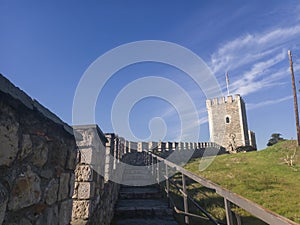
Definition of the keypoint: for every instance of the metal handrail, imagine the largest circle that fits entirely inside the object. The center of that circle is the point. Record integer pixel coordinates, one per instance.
(229, 197)
(208, 216)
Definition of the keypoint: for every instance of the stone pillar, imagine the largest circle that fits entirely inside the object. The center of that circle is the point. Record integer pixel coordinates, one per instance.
(109, 149)
(89, 180)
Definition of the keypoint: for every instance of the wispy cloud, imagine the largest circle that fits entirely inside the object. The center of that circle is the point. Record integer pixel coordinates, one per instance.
(257, 58)
(251, 106)
(260, 76)
(251, 48)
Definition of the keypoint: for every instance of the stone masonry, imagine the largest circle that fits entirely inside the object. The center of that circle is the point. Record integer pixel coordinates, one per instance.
(228, 123)
(37, 161)
(94, 194)
(45, 178)
(51, 173)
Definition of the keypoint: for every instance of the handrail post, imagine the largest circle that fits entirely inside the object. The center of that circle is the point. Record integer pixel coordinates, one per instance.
(157, 171)
(185, 200)
(152, 164)
(238, 219)
(167, 181)
(229, 216)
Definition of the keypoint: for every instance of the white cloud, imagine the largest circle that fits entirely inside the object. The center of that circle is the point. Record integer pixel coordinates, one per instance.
(251, 106)
(259, 76)
(250, 48)
(262, 53)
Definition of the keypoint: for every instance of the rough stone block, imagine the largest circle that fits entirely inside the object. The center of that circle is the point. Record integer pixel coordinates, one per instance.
(63, 192)
(3, 202)
(26, 191)
(8, 140)
(40, 151)
(81, 209)
(65, 212)
(84, 173)
(46, 173)
(49, 217)
(86, 156)
(26, 146)
(72, 159)
(25, 221)
(51, 192)
(86, 190)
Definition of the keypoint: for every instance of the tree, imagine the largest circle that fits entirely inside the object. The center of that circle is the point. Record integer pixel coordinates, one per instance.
(275, 138)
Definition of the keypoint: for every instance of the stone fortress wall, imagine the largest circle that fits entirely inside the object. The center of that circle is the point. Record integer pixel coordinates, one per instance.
(45, 176)
(50, 172)
(37, 161)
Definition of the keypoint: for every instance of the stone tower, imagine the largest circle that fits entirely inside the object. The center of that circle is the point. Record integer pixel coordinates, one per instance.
(228, 123)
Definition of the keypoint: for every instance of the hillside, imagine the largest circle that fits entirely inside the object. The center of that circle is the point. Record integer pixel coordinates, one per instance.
(263, 177)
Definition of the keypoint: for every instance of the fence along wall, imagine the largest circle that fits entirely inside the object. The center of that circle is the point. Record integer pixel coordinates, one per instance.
(37, 161)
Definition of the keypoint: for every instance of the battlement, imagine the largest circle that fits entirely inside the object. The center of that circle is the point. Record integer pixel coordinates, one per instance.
(223, 100)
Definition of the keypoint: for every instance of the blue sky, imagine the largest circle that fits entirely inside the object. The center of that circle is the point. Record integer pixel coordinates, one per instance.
(45, 47)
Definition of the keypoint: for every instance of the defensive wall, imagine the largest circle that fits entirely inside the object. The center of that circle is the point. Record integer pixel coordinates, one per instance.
(50, 172)
(45, 176)
(37, 161)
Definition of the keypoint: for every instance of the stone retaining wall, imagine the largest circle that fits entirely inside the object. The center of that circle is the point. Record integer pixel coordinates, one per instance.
(37, 161)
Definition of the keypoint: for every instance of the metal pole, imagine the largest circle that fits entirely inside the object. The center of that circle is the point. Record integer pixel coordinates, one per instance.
(152, 164)
(157, 170)
(167, 181)
(227, 83)
(295, 97)
(229, 216)
(185, 200)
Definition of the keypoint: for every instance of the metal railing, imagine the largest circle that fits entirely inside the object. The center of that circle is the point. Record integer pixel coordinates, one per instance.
(154, 161)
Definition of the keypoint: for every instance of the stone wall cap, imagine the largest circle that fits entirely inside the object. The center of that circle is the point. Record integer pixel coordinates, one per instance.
(9, 88)
(92, 126)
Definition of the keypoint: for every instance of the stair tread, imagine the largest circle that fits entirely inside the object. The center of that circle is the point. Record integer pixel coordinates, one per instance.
(148, 221)
(136, 204)
(130, 189)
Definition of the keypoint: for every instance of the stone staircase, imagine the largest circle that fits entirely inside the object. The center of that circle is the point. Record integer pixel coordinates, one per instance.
(142, 204)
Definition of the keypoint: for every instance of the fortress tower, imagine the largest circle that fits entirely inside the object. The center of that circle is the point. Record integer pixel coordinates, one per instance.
(228, 125)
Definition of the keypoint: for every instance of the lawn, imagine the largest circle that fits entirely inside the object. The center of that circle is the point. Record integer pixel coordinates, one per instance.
(263, 177)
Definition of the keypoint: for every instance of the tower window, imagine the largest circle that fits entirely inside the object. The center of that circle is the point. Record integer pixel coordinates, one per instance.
(227, 119)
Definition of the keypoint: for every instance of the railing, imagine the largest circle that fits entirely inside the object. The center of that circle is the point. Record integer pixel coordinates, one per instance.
(256, 210)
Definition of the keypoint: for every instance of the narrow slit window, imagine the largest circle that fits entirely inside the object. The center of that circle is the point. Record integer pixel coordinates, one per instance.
(227, 120)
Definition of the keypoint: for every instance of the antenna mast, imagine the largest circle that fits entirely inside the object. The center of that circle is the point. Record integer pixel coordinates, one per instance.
(227, 83)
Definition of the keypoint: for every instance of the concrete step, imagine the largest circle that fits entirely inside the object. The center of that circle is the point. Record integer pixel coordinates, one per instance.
(143, 205)
(138, 178)
(148, 221)
(139, 182)
(146, 192)
(135, 208)
(136, 173)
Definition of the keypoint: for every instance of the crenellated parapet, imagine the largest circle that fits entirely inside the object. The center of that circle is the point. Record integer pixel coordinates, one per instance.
(223, 100)
(161, 146)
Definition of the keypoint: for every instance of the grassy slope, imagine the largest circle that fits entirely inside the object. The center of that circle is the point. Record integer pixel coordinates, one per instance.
(261, 176)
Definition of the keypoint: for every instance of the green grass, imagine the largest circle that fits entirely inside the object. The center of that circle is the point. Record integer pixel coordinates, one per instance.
(262, 177)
